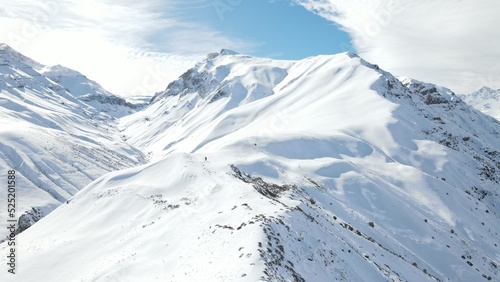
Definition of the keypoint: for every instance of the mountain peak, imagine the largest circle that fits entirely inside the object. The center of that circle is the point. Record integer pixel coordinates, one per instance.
(7, 48)
(486, 99)
(228, 52)
(488, 89)
(58, 70)
(486, 93)
(11, 56)
(223, 52)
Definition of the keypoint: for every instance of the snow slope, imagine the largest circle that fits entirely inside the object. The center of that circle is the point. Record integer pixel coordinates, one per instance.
(322, 169)
(486, 100)
(56, 143)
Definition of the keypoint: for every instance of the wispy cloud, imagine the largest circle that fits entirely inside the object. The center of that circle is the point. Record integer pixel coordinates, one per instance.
(450, 42)
(121, 44)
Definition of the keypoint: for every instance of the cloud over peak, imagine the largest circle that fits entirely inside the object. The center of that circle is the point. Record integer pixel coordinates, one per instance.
(449, 42)
(118, 43)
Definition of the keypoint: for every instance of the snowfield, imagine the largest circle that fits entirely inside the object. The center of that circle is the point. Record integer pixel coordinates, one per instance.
(323, 169)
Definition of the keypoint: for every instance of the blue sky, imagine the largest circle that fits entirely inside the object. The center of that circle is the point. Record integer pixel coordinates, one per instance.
(125, 45)
(277, 29)
(121, 44)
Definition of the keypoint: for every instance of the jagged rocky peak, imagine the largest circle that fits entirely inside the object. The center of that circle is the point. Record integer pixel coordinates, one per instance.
(223, 52)
(431, 93)
(211, 78)
(228, 52)
(486, 100)
(111, 100)
(487, 93)
(487, 89)
(190, 81)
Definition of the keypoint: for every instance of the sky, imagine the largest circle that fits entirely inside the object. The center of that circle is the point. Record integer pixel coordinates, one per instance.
(136, 48)
(453, 43)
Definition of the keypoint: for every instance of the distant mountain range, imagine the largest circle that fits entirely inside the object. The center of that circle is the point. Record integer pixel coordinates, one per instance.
(486, 99)
(251, 169)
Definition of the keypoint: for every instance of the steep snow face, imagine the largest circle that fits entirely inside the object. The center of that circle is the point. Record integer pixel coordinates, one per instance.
(486, 100)
(56, 142)
(336, 171)
(201, 95)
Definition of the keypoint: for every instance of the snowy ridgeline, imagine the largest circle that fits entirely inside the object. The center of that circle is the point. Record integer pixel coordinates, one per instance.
(322, 169)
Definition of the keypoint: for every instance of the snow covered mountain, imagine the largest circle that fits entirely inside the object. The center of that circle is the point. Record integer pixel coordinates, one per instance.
(56, 141)
(90, 91)
(486, 100)
(322, 169)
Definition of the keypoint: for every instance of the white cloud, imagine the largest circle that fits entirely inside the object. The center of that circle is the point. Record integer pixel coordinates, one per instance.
(129, 47)
(453, 43)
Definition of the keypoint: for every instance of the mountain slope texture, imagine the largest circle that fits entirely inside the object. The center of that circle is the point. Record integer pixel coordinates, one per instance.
(322, 169)
(55, 141)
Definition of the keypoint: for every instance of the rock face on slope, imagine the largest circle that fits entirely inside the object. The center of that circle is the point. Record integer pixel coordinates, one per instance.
(323, 169)
(214, 81)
